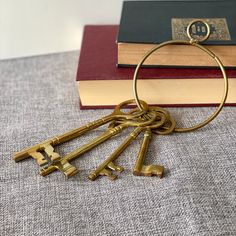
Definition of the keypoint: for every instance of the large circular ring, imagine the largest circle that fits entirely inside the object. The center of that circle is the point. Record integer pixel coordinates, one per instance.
(211, 54)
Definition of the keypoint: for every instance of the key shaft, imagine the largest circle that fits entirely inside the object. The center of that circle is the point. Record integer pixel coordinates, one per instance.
(143, 151)
(144, 170)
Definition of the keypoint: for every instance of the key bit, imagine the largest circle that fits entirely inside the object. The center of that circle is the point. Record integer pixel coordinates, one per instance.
(114, 167)
(109, 174)
(66, 168)
(106, 171)
(150, 170)
(39, 157)
(49, 150)
(37, 153)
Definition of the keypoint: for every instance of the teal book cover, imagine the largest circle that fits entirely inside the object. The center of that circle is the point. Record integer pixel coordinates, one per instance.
(159, 21)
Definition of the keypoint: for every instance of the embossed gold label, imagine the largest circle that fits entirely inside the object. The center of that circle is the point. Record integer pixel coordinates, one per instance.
(219, 29)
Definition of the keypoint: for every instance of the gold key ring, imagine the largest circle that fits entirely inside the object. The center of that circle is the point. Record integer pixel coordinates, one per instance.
(193, 42)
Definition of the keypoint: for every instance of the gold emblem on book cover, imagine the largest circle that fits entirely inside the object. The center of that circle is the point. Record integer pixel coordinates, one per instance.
(218, 27)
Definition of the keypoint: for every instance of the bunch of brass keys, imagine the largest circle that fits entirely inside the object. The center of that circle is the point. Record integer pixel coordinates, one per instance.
(149, 120)
(144, 119)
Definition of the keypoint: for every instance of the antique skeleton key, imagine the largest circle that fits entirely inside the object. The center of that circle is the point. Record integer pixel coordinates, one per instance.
(167, 128)
(63, 164)
(44, 152)
(105, 169)
(145, 170)
(142, 118)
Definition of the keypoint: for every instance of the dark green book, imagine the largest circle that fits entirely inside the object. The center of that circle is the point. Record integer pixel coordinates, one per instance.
(144, 23)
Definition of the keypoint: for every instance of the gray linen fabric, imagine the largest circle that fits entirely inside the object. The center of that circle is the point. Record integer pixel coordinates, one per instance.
(39, 99)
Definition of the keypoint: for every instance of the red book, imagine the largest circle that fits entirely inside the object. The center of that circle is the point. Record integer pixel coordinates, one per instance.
(102, 84)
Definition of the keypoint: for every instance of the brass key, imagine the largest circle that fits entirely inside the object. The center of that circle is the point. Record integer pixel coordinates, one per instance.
(107, 166)
(149, 170)
(167, 128)
(44, 152)
(69, 170)
(105, 169)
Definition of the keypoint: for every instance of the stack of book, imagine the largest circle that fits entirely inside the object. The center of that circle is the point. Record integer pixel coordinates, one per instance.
(177, 75)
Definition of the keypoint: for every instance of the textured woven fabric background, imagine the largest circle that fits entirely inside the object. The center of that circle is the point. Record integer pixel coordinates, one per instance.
(197, 196)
